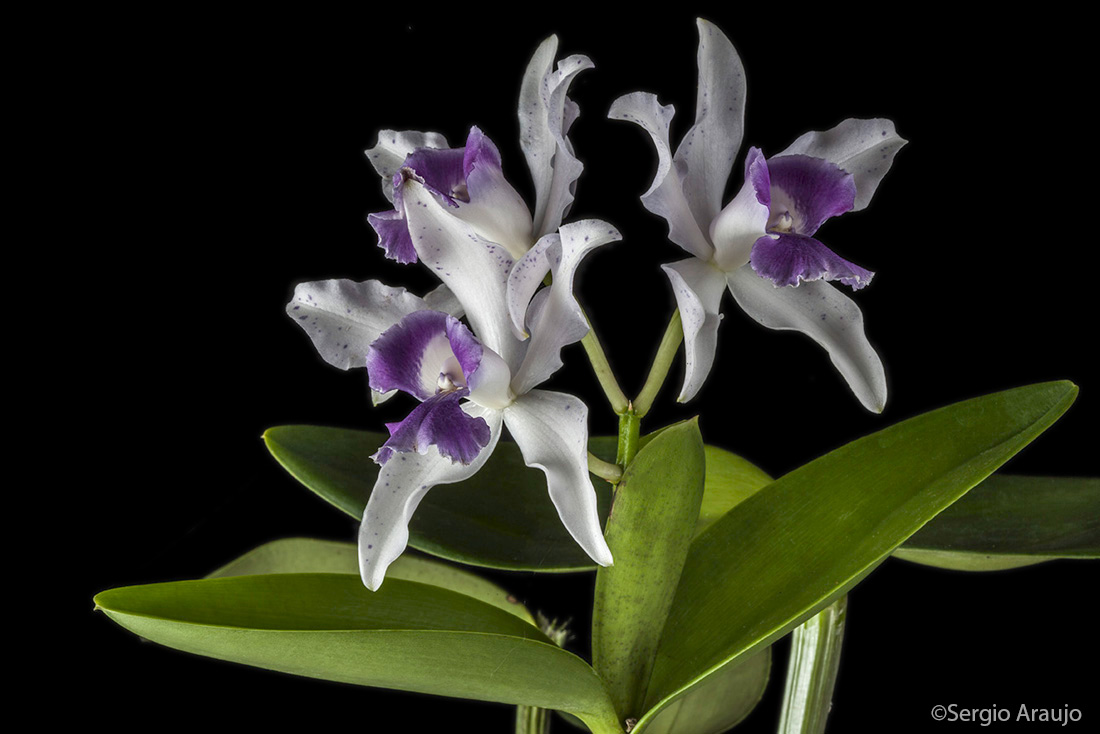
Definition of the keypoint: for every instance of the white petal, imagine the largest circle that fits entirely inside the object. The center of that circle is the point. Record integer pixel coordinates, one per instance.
(545, 115)
(402, 483)
(551, 430)
(710, 146)
(393, 147)
(737, 228)
(343, 317)
(863, 148)
(526, 277)
(698, 287)
(824, 314)
(474, 269)
(665, 196)
(560, 320)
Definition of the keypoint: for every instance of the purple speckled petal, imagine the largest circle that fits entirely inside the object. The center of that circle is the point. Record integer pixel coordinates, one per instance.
(806, 191)
(393, 235)
(475, 270)
(439, 421)
(413, 354)
(792, 258)
(401, 485)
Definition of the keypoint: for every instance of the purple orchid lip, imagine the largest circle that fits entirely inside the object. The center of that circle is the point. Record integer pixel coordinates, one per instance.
(789, 259)
(469, 181)
(438, 421)
(431, 356)
(804, 193)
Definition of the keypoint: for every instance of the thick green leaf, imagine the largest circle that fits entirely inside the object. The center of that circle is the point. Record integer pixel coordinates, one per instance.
(309, 555)
(501, 517)
(730, 480)
(793, 547)
(652, 522)
(1012, 521)
(407, 635)
(720, 702)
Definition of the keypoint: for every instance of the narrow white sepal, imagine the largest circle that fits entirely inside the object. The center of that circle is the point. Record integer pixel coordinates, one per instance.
(710, 147)
(560, 320)
(823, 313)
(551, 430)
(698, 288)
(665, 196)
(545, 116)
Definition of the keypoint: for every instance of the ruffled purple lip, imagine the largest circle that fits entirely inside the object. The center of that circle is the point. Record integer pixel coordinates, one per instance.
(444, 172)
(804, 193)
(439, 421)
(431, 356)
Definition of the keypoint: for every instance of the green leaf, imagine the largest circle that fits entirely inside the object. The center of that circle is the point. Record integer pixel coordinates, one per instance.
(730, 480)
(720, 701)
(793, 547)
(1012, 521)
(501, 517)
(407, 636)
(652, 521)
(309, 555)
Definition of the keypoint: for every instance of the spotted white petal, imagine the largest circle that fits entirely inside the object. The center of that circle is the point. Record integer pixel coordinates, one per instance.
(709, 148)
(824, 314)
(698, 287)
(559, 320)
(551, 430)
(389, 153)
(863, 148)
(402, 483)
(545, 115)
(474, 269)
(665, 196)
(343, 317)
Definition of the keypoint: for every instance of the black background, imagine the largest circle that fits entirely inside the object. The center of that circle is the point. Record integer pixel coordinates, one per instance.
(213, 161)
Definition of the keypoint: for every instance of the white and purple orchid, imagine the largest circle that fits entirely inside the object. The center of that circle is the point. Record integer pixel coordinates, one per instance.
(761, 245)
(455, 213)
(470, 179)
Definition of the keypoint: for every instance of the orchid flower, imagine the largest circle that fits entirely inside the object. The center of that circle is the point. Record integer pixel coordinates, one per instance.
(470, 178)
(469, 386)
(455, 213)
(761, 245)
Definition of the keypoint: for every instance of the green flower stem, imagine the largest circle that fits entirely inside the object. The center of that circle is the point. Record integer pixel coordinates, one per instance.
(604, 470)
(666, 353)
(532, 720)
(630, 425)
(614, 393)
(811, 672)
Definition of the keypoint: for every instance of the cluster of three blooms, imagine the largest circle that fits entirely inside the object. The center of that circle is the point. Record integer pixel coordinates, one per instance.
(455, 213)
